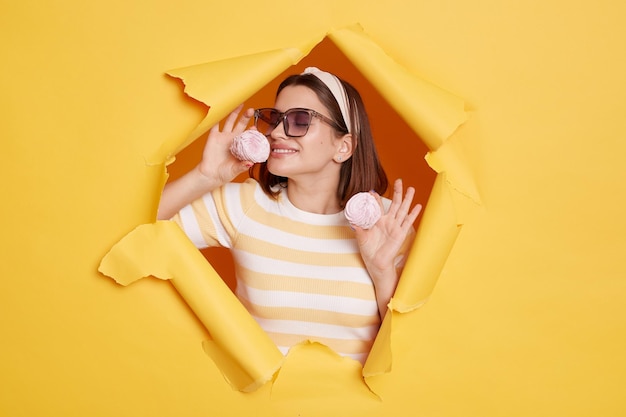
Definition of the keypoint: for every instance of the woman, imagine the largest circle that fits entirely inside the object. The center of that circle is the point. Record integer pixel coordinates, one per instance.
(302, 271)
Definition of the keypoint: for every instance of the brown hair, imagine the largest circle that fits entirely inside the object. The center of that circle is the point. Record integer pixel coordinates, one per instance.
(363, 170)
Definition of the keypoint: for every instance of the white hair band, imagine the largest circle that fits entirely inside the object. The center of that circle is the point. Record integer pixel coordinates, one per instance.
(335, 86)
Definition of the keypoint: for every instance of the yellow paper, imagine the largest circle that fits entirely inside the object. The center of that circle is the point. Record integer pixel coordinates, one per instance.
(436, 113)
(428, 254)
(379, 360)
(526, 316)
(433, 113)
(421, 272)
(241, 349)
(449, 158)
(224, 84)
(313, 367)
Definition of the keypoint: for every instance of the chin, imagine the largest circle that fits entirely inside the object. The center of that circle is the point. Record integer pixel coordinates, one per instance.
(274, 170)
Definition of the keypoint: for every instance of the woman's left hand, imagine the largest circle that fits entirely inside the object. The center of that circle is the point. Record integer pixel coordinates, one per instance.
(380, 244)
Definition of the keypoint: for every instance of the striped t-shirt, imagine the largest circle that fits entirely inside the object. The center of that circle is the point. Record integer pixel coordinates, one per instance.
(299, 274)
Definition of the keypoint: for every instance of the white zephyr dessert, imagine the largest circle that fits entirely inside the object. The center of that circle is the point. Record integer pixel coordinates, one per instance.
(363, 210)
(251, 145)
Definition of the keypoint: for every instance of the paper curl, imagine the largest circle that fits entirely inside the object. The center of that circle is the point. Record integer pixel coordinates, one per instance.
(244, 353)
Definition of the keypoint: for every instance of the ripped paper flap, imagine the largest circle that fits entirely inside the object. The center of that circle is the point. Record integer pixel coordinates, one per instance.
(425, 262)
(240, 348)
(433, 113)
(224, 84)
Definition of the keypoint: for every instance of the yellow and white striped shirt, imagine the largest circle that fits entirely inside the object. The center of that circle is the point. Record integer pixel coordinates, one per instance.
(299, 274)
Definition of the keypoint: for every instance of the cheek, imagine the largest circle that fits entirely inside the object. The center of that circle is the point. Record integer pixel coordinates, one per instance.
(278, 167)
(326, 142)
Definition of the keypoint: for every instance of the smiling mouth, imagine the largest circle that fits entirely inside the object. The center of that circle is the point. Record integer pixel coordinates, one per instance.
(284, 151)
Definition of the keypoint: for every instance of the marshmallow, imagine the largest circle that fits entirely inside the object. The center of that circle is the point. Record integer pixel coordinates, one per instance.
(363, 210)
(251, 145)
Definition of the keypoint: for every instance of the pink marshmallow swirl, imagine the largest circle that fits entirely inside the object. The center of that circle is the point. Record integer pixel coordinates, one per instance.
(363, 210)
(251, 145)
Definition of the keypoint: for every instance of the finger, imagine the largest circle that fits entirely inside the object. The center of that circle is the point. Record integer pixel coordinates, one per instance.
(406, 203)
(229, 122)
(396, 199)
(215, 129)
(412, 216)
(240, 167)
(243, 121)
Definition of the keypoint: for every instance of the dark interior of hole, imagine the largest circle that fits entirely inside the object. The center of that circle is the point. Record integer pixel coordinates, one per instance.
(401, 150)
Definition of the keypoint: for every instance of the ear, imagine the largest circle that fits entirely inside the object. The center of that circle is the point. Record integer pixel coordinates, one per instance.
(345, 148)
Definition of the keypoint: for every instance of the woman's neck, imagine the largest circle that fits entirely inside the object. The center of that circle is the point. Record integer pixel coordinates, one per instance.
(316, 198)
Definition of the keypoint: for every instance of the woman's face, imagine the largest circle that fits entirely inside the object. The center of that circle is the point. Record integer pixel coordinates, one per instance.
(312, 155)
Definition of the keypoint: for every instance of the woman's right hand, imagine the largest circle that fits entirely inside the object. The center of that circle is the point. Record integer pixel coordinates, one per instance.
(218, 166)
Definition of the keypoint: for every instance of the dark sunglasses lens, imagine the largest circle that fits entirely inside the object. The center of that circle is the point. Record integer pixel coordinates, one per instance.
(298, 122)
(266, 120)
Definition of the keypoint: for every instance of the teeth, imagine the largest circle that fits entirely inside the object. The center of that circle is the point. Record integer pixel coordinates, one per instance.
(283, 150)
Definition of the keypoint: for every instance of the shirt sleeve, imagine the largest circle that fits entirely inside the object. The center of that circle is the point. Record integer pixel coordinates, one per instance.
(210, 220)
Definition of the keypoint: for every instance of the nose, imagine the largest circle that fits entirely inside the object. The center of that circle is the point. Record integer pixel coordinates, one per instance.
(279, 131)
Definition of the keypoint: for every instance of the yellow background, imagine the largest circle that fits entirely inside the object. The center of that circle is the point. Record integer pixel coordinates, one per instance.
(527, 317)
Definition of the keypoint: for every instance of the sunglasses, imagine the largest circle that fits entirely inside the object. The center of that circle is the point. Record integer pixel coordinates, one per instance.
(296, 121)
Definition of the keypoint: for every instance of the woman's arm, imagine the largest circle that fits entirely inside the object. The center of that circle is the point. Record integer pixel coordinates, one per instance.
(380, 245)
(218, 166)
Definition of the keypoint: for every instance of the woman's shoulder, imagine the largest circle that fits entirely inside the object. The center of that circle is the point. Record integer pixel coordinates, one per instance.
(248, 193)
(249, 186)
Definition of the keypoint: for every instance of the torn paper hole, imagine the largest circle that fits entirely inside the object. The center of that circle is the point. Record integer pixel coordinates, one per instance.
(432, 113)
